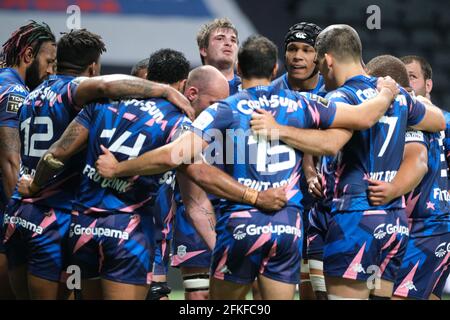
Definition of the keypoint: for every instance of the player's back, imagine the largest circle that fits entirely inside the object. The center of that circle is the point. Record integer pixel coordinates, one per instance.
(254, 161)
(128, 129)
(43, 117)
(428, 205)
(375, 153)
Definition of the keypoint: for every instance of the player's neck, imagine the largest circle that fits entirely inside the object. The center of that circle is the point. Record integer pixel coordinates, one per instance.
(228, 73)
(303, 85)
(347, 71)
(226, 69)
(250, 83)
(22, 71)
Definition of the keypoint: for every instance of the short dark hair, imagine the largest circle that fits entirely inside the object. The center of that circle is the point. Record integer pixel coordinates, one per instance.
(143, 64)
(33, 35)
(387, 65)
(257, 57)
(167, 66)
(424, 65)
(78, 49)
(341, 40)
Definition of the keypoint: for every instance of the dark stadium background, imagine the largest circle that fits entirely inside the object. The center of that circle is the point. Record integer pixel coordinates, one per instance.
(407, 27)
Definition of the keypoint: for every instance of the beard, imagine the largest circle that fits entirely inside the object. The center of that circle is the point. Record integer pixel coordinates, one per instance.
(32, 79)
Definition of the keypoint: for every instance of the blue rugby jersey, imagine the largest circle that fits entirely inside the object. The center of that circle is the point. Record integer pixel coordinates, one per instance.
(128, 129)
(282, 83)
(429, 202)
(447, 138)
(254, 161)
(45, 114)
(235, 84)
(374, 153)
(12, 94)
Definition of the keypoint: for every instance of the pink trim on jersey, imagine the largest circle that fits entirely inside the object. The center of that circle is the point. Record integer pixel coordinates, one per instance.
(271, 254)
(442, 271)
(59, 98)
(113, 109)
(337, 175)
(263, 238)
(373, 212)
(6, 92)
(101, 257)
(176, 259)
(134, 222)
(163, 124)
(411, 203)
(309, 239)
(218, 274)
(389, 256)
(297, 225)
(69, 94)
(48, 220)
(293, 182)
(314, 114)
(49, 191)
(128, 209)
(174, 129)
(391, 240)
(150, 122)
(241, 214)
(350, 273)
(38, 103)
(84, 238)
(10, 229)
(402, 290)
(129, 116)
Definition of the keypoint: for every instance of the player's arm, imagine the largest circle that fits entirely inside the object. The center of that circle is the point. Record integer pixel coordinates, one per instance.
(219, 183)
(119, 86)
(10, 158)
(433, 120)
(312, 177)
(311, 141)
(366, 114)
(412, 170)
(71, 142)
(198, 208)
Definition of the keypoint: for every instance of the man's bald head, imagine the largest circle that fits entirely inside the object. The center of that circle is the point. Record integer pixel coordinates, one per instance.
(204, 86)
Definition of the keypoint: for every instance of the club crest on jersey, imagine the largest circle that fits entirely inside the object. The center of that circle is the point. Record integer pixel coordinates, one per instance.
(442, 249)
(181, 251)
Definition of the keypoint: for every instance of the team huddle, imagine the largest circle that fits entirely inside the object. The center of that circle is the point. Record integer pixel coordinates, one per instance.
(333, 178)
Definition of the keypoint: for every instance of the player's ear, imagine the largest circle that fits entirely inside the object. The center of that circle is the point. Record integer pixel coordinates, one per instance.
(203, 52)
(329, 60)
(191, 93)
(28, 55)
(91, 70)
(428, 86)
(274, 71)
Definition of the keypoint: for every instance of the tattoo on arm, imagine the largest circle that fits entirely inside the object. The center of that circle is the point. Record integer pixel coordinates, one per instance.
(69, 136)
(9, 140)
(205, 211)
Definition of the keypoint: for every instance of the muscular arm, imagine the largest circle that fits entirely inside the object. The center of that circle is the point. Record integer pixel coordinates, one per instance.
(120, 86)
(412, 170)
(10, 158)
(433, 120)
(72, 141)
(198, 208)
(364, 115)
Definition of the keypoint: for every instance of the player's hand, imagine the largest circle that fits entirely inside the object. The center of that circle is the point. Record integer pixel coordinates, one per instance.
(315, 186)
(273, 199)
(381, 192)
(388, 83)
(264, 124)
(106, 164)
(24, 186)
(179, 100)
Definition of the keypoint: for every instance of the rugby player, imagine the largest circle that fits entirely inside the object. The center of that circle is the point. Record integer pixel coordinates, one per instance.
(218, 46)
(251, 244)
(140, 69)
(29, 56)
(37, 230)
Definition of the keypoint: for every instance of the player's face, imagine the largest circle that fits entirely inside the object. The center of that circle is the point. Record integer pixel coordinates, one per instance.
(416, 78)
(43, 65)
(300, 60)
(222, 48)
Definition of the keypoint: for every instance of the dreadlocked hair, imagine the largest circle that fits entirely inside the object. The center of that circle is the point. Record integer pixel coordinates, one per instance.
(32, 35)
(77, 49)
